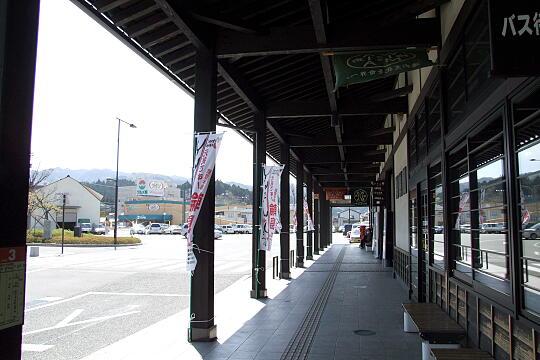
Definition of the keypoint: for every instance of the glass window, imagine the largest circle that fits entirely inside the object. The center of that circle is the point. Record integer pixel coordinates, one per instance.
(528, 159)
(436, 236)
(479, 209)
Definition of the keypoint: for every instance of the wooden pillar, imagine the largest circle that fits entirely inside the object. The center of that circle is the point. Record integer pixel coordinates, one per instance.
(258, 275)
(300, 215)
(18, 39)
(316, 243)
(202, 327)
(284, 237)
(323, 203)
(309, 196)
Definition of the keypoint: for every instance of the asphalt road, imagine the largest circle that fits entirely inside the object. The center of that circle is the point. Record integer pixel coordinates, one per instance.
(88, 298)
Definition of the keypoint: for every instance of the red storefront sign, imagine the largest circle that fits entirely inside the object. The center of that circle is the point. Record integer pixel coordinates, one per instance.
(335, 193)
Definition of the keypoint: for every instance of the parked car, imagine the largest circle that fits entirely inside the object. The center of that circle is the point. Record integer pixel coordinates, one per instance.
(154, 228)
(164, 227)
(346, 229)
(227, 229)
(173, 230)
(242, 229)
(354, 233)
(217, 234)
(184, 229)
(438, 229)
(532, 232)
(465, 228)
(137, 229)
(98, 229)
(86, 227)
(218, 227)
(493, 228)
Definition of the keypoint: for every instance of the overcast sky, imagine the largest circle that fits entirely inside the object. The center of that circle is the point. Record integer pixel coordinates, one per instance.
(85, 78)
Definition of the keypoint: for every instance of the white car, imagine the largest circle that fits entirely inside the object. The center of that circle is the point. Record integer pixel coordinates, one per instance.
(86, 227)
(227, 229)
(173, 229)
(98, 229)
(137, 229)
(217, 234)
(154, 228)
(242, 229)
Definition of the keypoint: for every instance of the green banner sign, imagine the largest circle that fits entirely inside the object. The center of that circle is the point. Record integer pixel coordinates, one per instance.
(358, 67)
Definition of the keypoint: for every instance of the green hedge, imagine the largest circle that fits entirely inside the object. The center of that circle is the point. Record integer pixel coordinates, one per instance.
(36, 236)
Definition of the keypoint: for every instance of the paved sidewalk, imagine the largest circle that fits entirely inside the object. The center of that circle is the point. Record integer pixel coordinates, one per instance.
(343, 305)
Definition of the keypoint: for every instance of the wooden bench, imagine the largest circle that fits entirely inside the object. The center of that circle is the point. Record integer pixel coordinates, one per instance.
(435, 327)
(460, 354)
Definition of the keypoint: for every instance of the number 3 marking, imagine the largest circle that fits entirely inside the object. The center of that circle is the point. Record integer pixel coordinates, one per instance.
(12, 254)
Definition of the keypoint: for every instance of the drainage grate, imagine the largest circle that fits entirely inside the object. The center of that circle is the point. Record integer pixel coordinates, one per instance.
(364, 332)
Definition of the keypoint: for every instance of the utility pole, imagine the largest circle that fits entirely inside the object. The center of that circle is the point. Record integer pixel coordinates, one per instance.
(63, 217)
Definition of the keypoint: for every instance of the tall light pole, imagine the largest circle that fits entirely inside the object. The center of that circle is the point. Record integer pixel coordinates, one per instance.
(116, 183)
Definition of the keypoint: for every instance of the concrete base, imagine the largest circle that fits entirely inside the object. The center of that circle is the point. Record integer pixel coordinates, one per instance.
(202, 335)
(408, 325)
(262, 294)
(299, 264)
(309, 257)
(285, 275)
(34, 251)
(426, 349)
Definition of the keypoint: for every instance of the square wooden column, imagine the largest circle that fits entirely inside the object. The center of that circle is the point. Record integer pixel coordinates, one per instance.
(18, 40)
(309, 199)
(258, 272)
(284, 237)
(316, 237)
(300, 215)
(202, 327)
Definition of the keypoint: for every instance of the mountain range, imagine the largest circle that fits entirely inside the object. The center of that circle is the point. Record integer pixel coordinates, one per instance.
(92, 175)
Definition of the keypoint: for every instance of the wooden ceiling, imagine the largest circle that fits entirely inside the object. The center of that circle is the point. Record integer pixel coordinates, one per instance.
(273, 57)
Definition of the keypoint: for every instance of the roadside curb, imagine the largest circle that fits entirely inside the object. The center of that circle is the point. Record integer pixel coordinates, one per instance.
(81, 245)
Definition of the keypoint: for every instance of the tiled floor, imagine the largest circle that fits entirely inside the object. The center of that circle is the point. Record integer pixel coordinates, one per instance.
(364, 296)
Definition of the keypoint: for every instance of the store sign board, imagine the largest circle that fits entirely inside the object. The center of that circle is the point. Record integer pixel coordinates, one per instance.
(360, 197)
(150, 188)
(12, 267)
(335, 193)
(514, 28)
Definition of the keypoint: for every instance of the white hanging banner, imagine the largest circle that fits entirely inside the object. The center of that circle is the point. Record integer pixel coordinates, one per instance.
(463, 200)
(310, 226)
(203, 167)
(269, 207)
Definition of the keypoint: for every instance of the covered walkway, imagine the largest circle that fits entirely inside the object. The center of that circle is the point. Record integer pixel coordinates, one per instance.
(353, 311)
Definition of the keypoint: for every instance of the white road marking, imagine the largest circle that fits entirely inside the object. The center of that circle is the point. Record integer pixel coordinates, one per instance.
(137, 294)
(101, 293)
(69, 318)
(50, 298)
(101, 318)
(36, 347)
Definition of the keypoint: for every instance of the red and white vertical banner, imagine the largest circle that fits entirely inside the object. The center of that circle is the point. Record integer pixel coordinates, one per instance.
(310, 226)
(203, 167)
(463, 200)
(270, 222)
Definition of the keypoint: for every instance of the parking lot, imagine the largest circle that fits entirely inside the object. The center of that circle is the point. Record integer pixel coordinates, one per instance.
(89, 298)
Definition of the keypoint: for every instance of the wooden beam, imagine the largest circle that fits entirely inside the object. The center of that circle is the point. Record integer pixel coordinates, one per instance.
(392, 94)
(296, 142)
(300, 39)
(225, 23)
(298, 109)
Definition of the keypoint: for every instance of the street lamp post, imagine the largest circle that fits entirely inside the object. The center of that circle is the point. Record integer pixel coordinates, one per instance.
(116, 183)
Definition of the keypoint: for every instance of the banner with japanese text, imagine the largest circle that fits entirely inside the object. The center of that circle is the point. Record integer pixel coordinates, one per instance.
(207, 146)
(270, 222)
(310, 226)
(362, 66)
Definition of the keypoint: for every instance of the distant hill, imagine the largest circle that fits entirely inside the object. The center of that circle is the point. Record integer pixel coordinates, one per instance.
(94, 175)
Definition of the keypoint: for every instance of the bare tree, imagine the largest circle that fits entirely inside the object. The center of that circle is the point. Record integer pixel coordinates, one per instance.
(40, 200)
